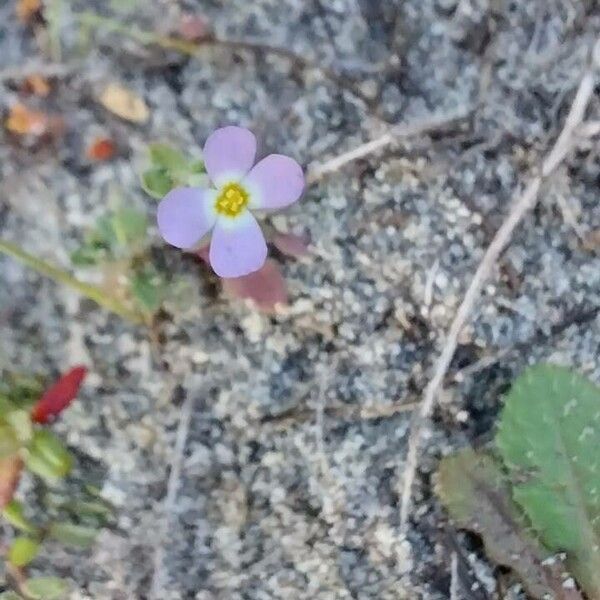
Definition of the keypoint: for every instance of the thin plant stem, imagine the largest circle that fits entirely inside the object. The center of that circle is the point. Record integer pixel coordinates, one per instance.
(182, 46)
(92, 292)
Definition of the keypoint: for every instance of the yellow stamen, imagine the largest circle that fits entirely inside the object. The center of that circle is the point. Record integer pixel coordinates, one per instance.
(232, 200)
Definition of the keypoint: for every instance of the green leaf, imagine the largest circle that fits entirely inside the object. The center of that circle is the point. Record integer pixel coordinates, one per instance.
(169, 159)
(72, 534)
(473, 488)
(46, 588)
(157, 183)
(549, 438)
(9, 443)
(88, 255)
(47, 457)
(10, 595)
(14, 514)
(197, 167)
(148, 287)
(22, 551)
(96, 509)
(129, 226)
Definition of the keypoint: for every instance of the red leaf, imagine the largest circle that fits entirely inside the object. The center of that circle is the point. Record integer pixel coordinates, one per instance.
(194, 27)
(291, 244)
(10, 473)
(59, 396)
(102, 148)
(202, 253)
(266, 287)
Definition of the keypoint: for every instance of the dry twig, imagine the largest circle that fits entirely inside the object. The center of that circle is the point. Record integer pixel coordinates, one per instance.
(521, 205)
(318, 170)
(181, 437)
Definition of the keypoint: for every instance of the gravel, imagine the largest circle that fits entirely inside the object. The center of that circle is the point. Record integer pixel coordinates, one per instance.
(292, 468)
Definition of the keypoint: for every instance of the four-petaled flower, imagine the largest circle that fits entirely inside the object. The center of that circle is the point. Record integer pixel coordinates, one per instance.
(237, 245)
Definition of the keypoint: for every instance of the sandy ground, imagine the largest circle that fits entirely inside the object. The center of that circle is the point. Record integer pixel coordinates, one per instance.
(292, 465)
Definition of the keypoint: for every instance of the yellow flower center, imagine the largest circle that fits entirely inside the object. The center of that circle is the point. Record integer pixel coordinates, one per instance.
(232, 200)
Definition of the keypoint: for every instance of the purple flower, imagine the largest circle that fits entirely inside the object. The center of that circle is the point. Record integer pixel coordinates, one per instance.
(187, 214)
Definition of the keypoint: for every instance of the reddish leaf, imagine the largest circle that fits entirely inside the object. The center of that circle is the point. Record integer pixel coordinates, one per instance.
(266, 287)
(290, 244)
(10, 473)
(59, 396)
(102, 148)
(194, 27)
(202, 253)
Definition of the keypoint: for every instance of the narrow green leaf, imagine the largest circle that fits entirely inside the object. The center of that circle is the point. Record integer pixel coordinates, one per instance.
(73, 534)
(549, 438)
(473, 488)
(14, 514)
(9, 443)
(20, 421)
(47, 457)
(96, 509)
(46, 588)
(22, 551)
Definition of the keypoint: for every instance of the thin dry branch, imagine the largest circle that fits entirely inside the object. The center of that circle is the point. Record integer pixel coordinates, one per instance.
(318, 170)
(185, 417)
(521, 205)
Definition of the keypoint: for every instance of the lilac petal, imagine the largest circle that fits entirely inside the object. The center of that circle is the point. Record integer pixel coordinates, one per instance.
(276, 181)
(185, 216)
(229, 154)
(238, 246)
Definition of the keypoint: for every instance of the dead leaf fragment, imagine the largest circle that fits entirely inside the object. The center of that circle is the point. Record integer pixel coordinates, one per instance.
(10, 473)
(37, 85)
(28, 9)
(124, 103)
(23, 121)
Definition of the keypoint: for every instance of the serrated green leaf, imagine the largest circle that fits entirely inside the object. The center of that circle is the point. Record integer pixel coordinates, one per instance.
(14, 514)
(73, 534)
(171, 160)
(46, 588)
(157, 183)
(473, 488)
(9, 443)
(47, 456)
(549, 439)
(22, 551)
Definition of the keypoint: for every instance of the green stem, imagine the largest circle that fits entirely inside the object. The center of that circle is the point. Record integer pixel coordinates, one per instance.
(92, 292)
